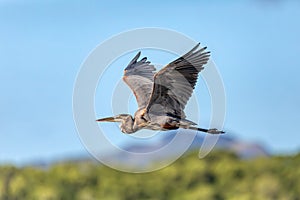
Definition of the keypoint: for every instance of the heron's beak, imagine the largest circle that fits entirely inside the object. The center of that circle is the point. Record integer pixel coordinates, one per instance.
(108, 119)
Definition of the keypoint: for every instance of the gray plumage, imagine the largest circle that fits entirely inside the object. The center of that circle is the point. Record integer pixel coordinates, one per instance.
(162, 96)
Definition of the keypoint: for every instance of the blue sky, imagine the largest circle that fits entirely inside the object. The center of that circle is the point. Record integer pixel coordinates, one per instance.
(255, 45)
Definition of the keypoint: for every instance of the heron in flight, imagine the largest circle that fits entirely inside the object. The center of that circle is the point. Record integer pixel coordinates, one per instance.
(162, 96)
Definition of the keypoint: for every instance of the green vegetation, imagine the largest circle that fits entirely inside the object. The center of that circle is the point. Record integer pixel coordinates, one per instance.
(220, 175)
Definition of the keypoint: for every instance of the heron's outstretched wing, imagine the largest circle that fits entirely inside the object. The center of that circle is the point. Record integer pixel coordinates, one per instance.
(174, 84)
(139, 77)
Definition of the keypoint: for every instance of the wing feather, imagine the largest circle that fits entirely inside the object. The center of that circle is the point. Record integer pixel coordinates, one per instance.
(174, 84)
(138, 75)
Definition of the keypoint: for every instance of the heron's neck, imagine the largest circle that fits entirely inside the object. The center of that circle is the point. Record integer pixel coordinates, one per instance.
(127, 125)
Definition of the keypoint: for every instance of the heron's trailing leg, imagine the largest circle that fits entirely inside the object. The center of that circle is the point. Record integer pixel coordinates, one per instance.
(215, 131)
(211, 131)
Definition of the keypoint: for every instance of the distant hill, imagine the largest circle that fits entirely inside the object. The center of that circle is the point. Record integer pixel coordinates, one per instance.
(242, 149)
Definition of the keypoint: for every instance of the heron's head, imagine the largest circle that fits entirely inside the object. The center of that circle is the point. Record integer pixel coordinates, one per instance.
(126, 120)
(117, 118)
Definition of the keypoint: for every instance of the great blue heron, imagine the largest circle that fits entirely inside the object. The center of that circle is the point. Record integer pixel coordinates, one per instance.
(162, 96)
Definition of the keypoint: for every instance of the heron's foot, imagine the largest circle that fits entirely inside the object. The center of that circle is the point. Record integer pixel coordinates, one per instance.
(215, 131)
